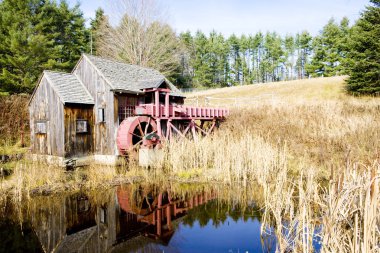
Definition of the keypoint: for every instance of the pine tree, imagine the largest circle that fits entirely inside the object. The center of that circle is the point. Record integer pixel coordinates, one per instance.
(257, 45)
(21, 46)
(218, 52)
(304, 46)
(37, 35)
(245, 59)
(363, 58)
(202, 72)
(72, 36)
(330, 49)
(290, 47)
(235, 58)
(95, 30)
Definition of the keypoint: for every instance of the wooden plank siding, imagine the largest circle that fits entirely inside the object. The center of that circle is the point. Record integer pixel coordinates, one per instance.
(46, 106)
(78, 144)
(97, 85)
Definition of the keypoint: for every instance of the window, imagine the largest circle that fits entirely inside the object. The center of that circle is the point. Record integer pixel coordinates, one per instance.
(41, 127)
(103, 215)
(101, 115)
(83, 204)
(82, 126)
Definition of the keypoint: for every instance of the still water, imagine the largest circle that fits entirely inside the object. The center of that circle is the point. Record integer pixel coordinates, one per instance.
(135, 218)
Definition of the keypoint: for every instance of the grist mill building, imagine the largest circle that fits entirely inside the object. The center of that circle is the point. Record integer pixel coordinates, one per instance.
(75, 117)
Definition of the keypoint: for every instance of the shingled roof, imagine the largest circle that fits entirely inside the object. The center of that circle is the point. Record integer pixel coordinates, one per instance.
(69, 88)
(122, 76)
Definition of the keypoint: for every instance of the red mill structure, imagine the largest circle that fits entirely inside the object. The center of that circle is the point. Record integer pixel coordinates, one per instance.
(105, 109)
(162, 118)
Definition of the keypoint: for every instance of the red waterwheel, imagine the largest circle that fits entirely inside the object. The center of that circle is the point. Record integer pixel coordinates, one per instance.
(132, 131)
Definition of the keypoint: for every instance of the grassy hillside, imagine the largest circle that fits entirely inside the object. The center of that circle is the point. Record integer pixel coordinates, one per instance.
(320, 126)
(328, 88)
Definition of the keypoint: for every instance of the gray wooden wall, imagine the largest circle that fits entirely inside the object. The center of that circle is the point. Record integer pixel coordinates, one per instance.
(46, 105)
(105, 133)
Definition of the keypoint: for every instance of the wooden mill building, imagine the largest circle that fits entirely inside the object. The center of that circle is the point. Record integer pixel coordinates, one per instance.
(76, 116)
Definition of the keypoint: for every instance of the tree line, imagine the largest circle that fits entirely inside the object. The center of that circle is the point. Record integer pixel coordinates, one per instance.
(45, 34)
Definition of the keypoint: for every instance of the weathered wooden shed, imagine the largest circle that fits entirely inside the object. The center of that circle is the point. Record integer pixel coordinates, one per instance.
(77, 115)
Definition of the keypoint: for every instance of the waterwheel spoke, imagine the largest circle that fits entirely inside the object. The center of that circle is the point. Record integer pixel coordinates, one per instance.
(140, 128)
(146, 127)
(138, 136)
(137, 144)
(152, 132)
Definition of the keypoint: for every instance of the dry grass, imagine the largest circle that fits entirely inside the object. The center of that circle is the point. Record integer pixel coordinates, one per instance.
(308, 89)
(38, 178)
(320, 125)
(312, 149)
(14, 123)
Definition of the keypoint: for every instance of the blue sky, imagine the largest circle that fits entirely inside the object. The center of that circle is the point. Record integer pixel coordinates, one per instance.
(248, 17)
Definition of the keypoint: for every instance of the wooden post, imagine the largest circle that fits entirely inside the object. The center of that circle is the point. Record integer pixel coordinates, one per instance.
(159, 221)
(159, 128)
(169, 217)
(159, 214)
(157, 102)
(167, 104)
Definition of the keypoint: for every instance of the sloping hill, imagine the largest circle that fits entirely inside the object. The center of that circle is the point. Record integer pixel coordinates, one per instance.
(320, 124)
(328, 88)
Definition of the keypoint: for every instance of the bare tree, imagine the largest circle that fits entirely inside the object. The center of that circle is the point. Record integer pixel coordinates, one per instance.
(141, 36)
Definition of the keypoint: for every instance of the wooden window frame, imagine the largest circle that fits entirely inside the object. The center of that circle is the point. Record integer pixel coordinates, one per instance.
(103, 214)
(101, 115)
(38, 129)
(81, 131)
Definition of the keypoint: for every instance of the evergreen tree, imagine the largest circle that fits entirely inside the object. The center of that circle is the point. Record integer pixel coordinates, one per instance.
(37, 35)
(317, 64)
(202, 69)
(272, 58)
(95, 30)
(257, 46)
(304, 46)
(235, 59)
(330, 49)
(72, 36)
(290, 47)
(218, 51)
(21, 47)
(363, 59)
(245, 59)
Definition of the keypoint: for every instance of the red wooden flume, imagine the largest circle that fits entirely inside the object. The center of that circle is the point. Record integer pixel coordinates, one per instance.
(163, 119)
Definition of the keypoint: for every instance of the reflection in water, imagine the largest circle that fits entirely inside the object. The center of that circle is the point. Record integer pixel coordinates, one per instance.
(134, 219)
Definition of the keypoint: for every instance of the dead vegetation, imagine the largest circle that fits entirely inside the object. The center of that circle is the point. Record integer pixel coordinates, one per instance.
(14, 123)
(315, 154)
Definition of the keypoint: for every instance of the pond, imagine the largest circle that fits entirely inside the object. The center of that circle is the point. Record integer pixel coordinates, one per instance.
(136, 218)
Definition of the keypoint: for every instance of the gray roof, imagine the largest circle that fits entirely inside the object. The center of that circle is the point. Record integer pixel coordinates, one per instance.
(129, 77)
(69, 88)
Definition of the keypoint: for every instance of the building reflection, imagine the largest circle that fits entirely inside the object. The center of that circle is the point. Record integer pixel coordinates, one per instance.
(127, 219)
